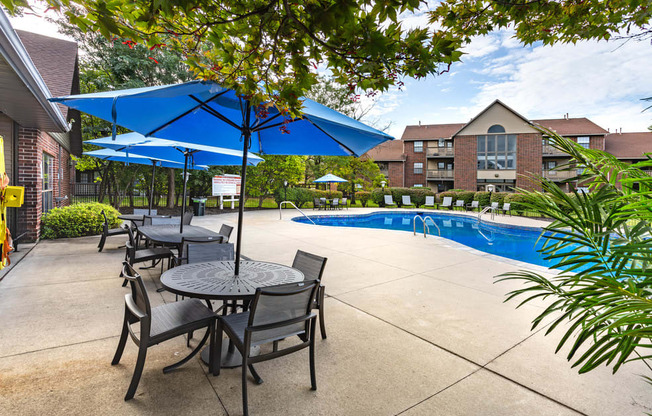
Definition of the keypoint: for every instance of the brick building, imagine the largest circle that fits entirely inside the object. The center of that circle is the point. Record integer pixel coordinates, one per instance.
(39, 136)
(498, 147)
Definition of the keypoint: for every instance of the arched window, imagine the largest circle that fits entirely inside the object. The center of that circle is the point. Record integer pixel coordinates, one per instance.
(496, 128)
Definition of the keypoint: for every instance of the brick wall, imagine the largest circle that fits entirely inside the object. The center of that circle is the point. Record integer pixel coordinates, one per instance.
(465, 168)
(32, 143)
(596, 142)
(528, 158)
(410, 177)
(395, 173)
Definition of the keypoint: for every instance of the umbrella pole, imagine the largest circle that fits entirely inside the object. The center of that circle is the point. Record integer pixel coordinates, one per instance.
(245, 150)
(183, 203)
(151, 189)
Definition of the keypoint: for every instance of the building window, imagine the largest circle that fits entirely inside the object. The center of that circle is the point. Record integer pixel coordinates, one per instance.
(550, 165)
(441, 165)
(418, 168)
(496, 128)
(47, 173)
(497, 151)
(418, 147)
(584, 141)
(417, 185)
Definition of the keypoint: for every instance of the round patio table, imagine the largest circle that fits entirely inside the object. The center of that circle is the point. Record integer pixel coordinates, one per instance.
(215, 280)
(169, 235)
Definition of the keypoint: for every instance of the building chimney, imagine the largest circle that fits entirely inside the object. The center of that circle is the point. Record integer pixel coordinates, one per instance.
(419, 122)
(620, 131)
(608, 130)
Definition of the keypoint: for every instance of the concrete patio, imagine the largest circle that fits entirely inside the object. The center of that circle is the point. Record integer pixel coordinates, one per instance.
(415, 326)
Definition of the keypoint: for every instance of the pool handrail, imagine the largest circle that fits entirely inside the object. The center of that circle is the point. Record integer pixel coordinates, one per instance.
(484, 211)
(280, 211)
(425, 226)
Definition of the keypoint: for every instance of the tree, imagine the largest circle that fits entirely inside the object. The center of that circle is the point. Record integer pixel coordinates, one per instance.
(269, 50)
(602, 241)
(548, 21)
(270, 174)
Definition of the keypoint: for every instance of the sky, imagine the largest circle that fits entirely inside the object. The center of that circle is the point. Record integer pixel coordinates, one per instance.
(603, 81)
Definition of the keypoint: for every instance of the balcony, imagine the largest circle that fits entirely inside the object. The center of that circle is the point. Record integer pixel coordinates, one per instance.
(559, 175)
(440, 174)
(440, 152)
(551, 151)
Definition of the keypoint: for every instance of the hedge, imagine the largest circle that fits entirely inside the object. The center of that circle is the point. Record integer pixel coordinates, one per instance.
(302, 196)
(78, 220)
(417, 195)
(483, 198)
(499, 197)
(517, 202)
(363, 197)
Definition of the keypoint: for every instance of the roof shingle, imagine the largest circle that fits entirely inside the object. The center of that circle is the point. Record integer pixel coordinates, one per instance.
(572, 126)
(390, 151)
(431, 131)
(629, 145)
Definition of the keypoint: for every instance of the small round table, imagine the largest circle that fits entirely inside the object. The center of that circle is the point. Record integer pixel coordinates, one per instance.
(215, 280)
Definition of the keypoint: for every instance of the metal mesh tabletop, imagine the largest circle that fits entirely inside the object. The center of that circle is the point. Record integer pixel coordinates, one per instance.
(169, 233)
(216, 279)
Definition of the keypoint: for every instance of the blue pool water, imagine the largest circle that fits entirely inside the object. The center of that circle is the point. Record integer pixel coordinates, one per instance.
(518, 243)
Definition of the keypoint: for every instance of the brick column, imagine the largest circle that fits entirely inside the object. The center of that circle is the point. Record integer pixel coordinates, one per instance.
(528, 159)
(412, 157)
(465, 167)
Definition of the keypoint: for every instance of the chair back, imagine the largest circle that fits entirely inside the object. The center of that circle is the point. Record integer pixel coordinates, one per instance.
(283, 310)
(164, 220)
(106, 222)
(187, 217)
(226, 231)
(141, 211)
(475, 204)
(335, 201)
(311, 265)
(316, 202)
(406, 200)
(430, 201)
(448, 201)
(343, 202)
(459, 203)
(494, 205)
(389, 200)
(199, 251)
(507, 206)
(131, 245)
(138, 301)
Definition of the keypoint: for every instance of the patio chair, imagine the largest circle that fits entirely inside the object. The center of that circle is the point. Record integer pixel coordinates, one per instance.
(108, 232)
(430, 201)
(226, 231)
(317, 203)
(344, 203)
(140, 211)
(312, 267)
(135, 255)
(447, 203)
(159, 324)
(199, 250)
(147, 219)
(507, 208)
(406, 200)
(335, 203)
(165, 220)
(277, 312)
(389, 200)
(473, 205)
(459, 204)
(494, 206)
(187, 217)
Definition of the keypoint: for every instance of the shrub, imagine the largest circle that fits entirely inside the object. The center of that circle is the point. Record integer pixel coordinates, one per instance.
(397, 195)
(483, 198)
(498, 197)
(78, 220)
(377, 195)
(517, 202)
(466, 196)
(452, 194)
(363, 197)
(298, 196)
(418, 195)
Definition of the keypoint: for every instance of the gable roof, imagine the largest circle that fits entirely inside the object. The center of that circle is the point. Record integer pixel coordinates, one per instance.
(496, 102)
(629, 145)
(572, 126)
(390, 151)
(431, 131)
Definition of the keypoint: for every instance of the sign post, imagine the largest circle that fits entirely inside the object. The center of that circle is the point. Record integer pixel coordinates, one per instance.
(226, 186)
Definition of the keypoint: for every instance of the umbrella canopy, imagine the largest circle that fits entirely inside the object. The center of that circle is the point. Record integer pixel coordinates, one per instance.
(204, 112)
(330, 178)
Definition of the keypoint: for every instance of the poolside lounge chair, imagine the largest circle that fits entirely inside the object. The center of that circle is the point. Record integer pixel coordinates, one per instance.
(159, 324)
(473, 205)
(312, 267)
(107, 232)
(277, 312)
(507, 208)
(447, 203)
(389, 200)
(459, 204)
(406, 201)
(430, 201)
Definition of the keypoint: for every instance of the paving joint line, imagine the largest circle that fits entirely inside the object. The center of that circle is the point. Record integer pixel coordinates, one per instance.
(59, 346)
(481, 367)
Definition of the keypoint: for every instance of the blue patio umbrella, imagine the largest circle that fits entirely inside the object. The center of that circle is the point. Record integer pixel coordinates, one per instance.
(115, 156)
(330, 178)
(204, 112)
(137, 144)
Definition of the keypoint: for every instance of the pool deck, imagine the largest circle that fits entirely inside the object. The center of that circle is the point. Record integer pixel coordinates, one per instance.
(415, 327)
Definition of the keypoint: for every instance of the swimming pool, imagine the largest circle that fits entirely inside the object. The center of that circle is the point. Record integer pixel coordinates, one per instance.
(513, 242)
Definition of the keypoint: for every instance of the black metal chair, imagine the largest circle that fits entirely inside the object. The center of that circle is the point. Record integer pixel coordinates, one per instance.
(317, 203)
(277, 312)
(187, 217)
(312, 267)
(226, 231)
(136, 255)
(159, 324)
(200, 250)
(108, 232)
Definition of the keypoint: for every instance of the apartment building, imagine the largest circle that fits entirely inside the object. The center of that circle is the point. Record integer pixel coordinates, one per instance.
(498, 147)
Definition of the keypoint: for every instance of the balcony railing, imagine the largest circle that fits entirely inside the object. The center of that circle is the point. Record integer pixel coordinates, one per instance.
(441, 152)
(559, 175)
(440, 174)
(551, 151)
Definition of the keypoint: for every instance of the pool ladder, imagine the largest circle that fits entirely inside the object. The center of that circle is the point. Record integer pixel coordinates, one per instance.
(484, 211)
(424, 220)
(280, 211)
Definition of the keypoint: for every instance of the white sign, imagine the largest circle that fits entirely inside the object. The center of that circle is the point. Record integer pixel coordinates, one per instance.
(226, 185)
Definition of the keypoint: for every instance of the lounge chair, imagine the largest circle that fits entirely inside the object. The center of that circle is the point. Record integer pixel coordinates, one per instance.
(473, 205)
(389, 200)
(447, 202)
(276, 313)
(430, 201)
(406, 201)
(108, 232)
(459, 204)
(507, 208)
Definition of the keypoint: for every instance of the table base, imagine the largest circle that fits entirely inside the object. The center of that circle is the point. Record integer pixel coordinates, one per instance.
(230, 359)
